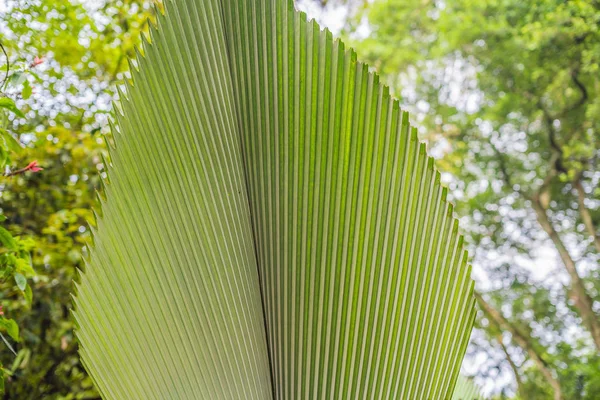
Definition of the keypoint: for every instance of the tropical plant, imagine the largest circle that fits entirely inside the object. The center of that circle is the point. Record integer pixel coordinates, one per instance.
(61, 80)
(510, 90)
(271, 225)
(52, 209)
(15, 251)
(466, 389)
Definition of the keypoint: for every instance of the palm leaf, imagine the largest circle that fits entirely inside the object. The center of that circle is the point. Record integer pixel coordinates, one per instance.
(466, 389)
(272, 225)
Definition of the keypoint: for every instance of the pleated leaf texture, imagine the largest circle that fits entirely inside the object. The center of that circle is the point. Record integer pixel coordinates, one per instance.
(466, 389)
(271, 227)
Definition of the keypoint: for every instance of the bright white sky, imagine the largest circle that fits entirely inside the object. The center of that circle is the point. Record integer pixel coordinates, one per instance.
(331, 17)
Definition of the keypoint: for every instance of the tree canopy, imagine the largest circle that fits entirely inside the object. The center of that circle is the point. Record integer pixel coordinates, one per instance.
(507, 93)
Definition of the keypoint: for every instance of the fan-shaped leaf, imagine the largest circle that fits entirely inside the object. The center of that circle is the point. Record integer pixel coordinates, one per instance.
(272, 226)
(466, 390)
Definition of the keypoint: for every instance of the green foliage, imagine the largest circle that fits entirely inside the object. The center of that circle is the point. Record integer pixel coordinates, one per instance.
(15, 258)
(63, 58)
(511, 94)
(466, 389)
(489, 73)
(60, 199)
(9, 104)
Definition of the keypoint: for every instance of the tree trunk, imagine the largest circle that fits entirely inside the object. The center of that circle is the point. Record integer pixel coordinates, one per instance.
(585, 214)
(583, 302)
(524, 342)
(513, 366)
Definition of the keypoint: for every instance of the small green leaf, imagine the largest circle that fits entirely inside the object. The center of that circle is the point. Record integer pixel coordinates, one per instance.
(2, 376)
(11, 327)
(11, 143)
(18, 360)
(3, 157)
(7, 240)
(28, 295)
(10, 105)
(36, 76)
(21, 281)
(16, 79)
(11, 260)
(21, 360)
(26, 93)
(7, 344)
(24, 267)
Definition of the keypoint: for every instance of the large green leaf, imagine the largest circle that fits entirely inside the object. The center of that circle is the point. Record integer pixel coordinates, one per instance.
(466, 389)
(272, 226)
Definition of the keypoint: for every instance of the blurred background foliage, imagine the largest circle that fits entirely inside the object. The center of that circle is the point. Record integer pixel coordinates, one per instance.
(505, 93)
(82, 50)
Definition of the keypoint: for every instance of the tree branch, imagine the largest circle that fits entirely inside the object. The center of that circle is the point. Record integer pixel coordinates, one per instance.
(539, 201)
(504, 171)
(556, 148)
(584, 93)
(7, 65)
(584, 212)
(513, 366)
(524, 342)
(583, 302)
